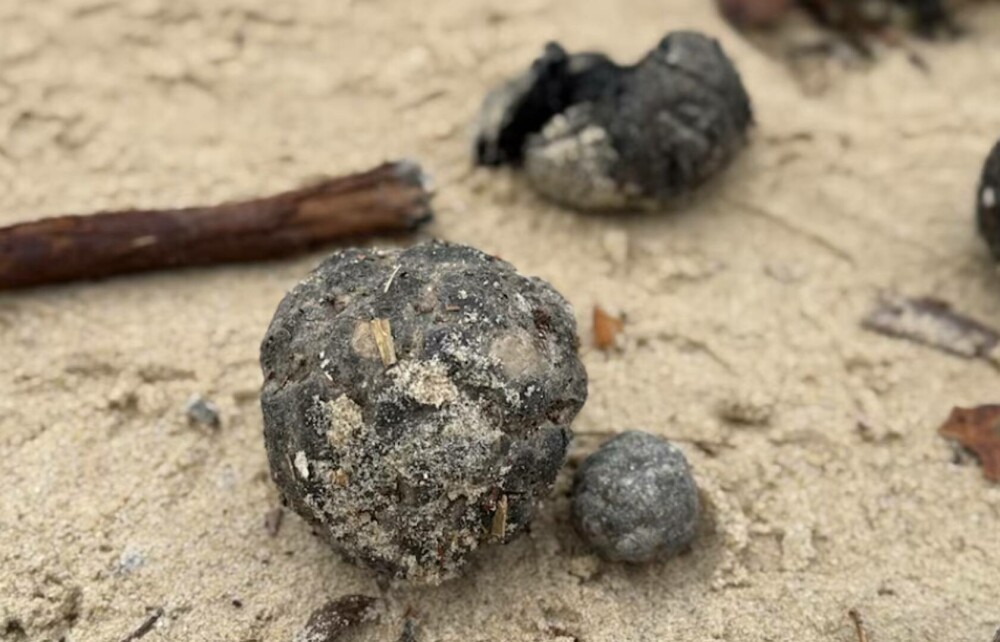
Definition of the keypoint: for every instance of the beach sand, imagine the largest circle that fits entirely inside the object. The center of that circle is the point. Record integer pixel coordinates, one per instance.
(742, 338)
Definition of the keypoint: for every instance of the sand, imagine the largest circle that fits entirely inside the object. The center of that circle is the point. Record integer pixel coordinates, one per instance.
(744, 303)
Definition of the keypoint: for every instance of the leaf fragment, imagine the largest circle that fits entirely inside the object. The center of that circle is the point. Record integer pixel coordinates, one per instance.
(977, 429)
(606, 328)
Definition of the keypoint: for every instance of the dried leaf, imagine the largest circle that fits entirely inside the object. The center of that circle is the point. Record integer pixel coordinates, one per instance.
(330, 621)
(382, 331)
(977, 429)
(606, 328)
(933, 323)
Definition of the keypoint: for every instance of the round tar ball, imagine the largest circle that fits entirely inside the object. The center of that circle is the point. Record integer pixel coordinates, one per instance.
(418, 402)
(674, 120)
(988, 202)
(634, 499)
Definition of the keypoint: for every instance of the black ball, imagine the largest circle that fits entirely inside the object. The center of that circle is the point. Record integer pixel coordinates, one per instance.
(418, 402)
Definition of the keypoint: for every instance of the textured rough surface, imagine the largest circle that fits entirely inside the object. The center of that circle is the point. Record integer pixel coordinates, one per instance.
(988, 202)
(634, 500)
(408, 463)
(756, 287)
(595, 135)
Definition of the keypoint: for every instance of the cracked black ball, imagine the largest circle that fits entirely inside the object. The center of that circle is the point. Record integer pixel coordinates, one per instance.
(598, 136)
(417, 403)
(634, 499)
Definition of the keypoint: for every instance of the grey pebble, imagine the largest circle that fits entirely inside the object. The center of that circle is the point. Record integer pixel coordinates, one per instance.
(418, 402)
(130, 560)
(634, 499)
(598, 136)
(202, 411)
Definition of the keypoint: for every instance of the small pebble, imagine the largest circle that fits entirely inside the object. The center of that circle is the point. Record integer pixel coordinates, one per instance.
(634, 499)
(988, 202)
(201, 411)
(130, 560)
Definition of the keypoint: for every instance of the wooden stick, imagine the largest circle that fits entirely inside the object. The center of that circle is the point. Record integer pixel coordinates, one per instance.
(391, 198)
(859, 625)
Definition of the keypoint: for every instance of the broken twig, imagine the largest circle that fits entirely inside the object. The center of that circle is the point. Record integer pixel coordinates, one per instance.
(391, 198)
(145, 627)
(859, 625)
(933, 323)
(498, 527)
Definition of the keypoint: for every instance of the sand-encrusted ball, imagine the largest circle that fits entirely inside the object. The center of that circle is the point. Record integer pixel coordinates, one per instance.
(598, 136)
(634, 499)
(418, 402)
(988, 202)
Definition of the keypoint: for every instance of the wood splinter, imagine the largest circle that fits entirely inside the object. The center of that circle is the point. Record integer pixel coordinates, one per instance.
(390, 198)
(859, 625)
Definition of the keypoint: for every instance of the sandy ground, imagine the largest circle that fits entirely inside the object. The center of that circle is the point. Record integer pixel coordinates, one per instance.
(743, 303)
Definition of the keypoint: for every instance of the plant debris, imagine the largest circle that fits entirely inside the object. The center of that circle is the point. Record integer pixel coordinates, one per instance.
(498, 526)
(932, 322)
(859, 625)
(382, 331)
(145, 627)
(330, 621)
(855, 20)
(391, 198)
(977, 429)
(606, 328)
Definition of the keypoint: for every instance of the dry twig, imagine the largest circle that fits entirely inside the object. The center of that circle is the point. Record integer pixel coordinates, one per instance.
(391, 198)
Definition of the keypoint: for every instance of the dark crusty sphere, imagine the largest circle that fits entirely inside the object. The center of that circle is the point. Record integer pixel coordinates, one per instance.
(418, 402)
(988, 202)
(634, 499)
(594, 135)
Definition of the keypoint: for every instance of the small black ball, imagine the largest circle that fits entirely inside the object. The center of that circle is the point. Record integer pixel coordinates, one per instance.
(988, 202)
(598, 136)
(634, 500)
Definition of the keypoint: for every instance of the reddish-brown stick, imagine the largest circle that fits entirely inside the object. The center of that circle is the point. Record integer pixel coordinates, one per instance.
(391, 198)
